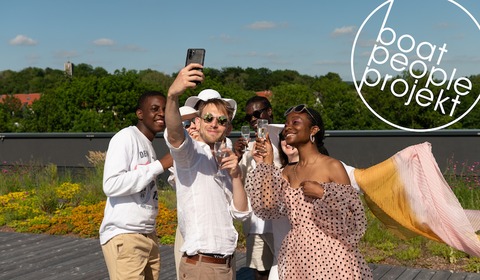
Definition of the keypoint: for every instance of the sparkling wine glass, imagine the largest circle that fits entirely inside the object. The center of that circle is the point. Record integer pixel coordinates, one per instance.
(246, 135)
(262, 128)
(220, 153)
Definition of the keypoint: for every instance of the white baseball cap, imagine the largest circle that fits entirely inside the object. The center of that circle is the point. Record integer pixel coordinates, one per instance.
(207, 94)
(188, 113)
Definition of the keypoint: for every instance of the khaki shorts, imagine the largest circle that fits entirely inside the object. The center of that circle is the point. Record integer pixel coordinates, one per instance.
(132, 256)
(260, 251)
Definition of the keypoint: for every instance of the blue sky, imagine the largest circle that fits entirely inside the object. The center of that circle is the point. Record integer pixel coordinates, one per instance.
(311, 37)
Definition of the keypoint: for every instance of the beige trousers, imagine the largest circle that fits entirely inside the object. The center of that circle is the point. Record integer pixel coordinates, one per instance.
(133, 256)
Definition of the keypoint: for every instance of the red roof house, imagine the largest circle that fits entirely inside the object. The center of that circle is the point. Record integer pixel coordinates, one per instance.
(25, 98)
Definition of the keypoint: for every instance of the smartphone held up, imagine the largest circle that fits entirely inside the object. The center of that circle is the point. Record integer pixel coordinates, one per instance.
(195, 56)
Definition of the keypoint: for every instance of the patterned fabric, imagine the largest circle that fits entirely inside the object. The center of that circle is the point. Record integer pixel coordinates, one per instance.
(323, 241)
(409, 194)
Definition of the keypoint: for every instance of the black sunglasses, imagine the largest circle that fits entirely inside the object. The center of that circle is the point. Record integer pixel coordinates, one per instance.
(255, 114)
(298, 109)
(188, 123)
(222, 120)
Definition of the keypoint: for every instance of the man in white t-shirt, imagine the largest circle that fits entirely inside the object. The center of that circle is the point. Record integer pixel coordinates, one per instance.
(127, 233)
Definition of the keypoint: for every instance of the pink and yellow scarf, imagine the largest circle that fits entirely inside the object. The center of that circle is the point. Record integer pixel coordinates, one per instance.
(409, 194)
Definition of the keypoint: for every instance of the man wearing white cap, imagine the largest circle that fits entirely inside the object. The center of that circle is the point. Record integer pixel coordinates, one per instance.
(206, 203)
(206, 94)
(189, 113)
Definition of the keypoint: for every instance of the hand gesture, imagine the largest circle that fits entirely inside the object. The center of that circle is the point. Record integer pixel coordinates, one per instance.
(263, 150)
(312, 188)
(239, 147)
(186, 78)
(230, 162)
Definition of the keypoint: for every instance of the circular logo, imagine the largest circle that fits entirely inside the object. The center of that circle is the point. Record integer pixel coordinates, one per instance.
(409, 73)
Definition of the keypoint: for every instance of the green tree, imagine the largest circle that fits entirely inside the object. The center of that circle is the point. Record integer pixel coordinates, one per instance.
(340, 104)
(95, 101)
(287, 95)
(108, 100)
(10, 114)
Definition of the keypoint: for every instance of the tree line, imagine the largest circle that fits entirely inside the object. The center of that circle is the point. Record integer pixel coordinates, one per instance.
(93, 100)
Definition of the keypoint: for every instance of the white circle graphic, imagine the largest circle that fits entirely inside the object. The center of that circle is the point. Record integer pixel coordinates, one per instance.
(404, 47)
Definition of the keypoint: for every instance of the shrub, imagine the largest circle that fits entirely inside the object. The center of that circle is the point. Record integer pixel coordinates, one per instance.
(473, 265)
(166, 223)
(17, 206)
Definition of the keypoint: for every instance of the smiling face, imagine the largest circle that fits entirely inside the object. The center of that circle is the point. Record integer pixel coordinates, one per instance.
(210, 125)
(255, 111)
(151, 116)
(298, 128)
(192, 129)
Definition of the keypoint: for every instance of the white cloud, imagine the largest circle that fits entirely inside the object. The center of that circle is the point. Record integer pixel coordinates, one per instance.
(262, 25)
(346, 30)
(22, 40)
(104, 42)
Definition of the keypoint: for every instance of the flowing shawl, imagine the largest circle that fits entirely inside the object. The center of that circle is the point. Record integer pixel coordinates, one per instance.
(409, 194)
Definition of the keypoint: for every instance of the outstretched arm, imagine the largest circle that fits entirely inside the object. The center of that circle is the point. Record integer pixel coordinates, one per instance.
(185, 79)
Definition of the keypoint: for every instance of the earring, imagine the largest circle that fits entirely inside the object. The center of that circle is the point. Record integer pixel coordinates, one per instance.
(312, 138)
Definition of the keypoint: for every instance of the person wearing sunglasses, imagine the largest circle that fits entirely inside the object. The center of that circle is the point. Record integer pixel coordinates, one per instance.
(206, 203)
(258, 232)
(189, 116)
(324, 210)
(206, 94)
(257, 107)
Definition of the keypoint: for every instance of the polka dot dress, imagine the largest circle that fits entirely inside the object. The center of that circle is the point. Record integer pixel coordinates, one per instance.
(323, 241)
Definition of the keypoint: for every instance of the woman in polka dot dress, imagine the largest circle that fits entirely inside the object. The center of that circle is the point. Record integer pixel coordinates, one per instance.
(325, 212)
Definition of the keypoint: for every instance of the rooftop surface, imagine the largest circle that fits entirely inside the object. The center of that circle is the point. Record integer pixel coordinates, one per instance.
(47, 257)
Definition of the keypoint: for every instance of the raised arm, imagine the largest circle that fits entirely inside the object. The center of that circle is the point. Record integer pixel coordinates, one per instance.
(185, 79)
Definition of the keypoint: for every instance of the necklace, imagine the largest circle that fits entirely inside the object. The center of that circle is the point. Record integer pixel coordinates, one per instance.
(295, 168)
(295, 171)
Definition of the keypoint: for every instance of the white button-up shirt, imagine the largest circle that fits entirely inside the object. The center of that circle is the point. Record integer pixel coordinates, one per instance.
(205, 209)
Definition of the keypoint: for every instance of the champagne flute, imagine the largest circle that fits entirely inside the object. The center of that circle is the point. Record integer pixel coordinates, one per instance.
(262, 128)
(220, 153)
(246, 135)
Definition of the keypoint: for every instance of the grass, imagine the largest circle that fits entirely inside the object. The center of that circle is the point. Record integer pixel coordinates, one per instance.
(39, 199)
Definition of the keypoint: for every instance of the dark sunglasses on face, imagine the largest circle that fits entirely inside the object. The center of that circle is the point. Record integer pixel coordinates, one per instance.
(221, 120)
(255, 114)
(298, 109)
(188, 123)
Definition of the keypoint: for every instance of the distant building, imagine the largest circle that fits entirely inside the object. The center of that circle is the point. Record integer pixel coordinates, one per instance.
(25, 98)
(68, 68)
